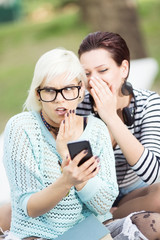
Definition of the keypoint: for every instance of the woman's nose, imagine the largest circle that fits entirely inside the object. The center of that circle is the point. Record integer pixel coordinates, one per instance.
(91, 75)
(59, 97)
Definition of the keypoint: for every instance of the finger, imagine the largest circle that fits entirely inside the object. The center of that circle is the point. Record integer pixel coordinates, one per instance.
(66, 161)
(66, 129)
(61, 128)
(113, 89)
(99, 91)
(92, 174)
(89, 165)
(100, 85)
(95, 92)
(98, 82)
(95, 96)
(71, 118)
(91, 168)
(92, 162)
(79, 157)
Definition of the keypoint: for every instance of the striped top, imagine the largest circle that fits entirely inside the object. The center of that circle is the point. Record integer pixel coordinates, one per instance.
(146, 129)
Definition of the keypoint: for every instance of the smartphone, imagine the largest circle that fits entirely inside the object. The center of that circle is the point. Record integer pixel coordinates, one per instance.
(76, 147)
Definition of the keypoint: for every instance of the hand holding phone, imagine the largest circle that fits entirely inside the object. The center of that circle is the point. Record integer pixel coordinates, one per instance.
(76, 147)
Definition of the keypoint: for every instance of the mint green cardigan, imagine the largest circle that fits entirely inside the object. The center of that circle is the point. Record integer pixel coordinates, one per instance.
(31, 163)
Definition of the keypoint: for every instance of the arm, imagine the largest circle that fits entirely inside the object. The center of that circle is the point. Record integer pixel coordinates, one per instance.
(148, 166)
(106, 104)
(136, 152)
(68, 132)
(106, 183)
(50, 196)
(100, 192)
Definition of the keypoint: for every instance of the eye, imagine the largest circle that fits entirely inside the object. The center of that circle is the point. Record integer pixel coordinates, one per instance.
(87, 74)
(49, 90)
(68, 88)
(103, 70)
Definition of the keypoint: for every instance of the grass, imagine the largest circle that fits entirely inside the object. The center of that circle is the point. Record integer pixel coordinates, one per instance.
(23, 42)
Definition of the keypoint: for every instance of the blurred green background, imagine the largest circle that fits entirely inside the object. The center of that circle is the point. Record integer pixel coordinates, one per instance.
(43, 25)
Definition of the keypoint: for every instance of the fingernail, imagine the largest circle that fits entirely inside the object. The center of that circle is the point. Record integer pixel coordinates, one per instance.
(67, 114)
(66, 156)
(98, 160)
(85, 151)
(73, 111)
(70, 111)
(63, 121)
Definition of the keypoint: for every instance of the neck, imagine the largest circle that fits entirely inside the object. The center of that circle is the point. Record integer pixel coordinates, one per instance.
(123, 102)
(48, 126)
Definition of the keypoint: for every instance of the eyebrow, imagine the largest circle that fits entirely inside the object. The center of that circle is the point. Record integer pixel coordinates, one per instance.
(102, 65)
(69, 85)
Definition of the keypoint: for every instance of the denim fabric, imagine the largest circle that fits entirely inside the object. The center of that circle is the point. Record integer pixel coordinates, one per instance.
(125, 190)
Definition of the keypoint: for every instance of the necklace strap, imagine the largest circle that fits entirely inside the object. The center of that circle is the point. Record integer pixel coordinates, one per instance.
(48, 126)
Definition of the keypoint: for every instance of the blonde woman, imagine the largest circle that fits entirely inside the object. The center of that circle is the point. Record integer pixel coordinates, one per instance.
(50, 193)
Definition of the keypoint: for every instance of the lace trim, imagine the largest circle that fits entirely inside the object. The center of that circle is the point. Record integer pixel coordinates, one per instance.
(129, 229)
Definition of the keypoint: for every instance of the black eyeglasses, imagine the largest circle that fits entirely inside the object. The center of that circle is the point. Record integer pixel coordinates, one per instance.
(49, 94)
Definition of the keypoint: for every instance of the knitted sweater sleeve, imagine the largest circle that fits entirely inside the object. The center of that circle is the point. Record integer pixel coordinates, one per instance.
(100, 192)
(21, 158)
(148, 166)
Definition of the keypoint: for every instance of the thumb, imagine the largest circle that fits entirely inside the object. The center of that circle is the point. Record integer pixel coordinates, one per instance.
(113, 89)
(66, 162)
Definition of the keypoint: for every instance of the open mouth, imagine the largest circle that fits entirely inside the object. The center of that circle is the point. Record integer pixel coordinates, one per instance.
(61, 110)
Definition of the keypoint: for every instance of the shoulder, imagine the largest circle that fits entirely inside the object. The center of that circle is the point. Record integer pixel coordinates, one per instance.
(145, 94)
(146, 97)
(97, 123)
(21, 118)
(21, 121)
(94, 119)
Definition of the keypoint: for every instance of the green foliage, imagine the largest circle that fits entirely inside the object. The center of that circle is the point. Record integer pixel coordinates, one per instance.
(23, 42)
(62, 3)
(149, 19)
(61, 25)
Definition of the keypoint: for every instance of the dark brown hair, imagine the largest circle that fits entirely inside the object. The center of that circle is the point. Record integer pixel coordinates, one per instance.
(112, 42)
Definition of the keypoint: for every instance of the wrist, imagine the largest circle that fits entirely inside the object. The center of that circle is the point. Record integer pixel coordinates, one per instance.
(112, 120)
(66, 186)
(80, 186)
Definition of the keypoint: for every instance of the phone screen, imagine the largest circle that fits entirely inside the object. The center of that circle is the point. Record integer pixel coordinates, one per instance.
(78, 146)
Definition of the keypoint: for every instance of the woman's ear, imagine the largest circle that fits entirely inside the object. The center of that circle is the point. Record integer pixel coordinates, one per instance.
(124, 69)
(37, 95)
(82, 91)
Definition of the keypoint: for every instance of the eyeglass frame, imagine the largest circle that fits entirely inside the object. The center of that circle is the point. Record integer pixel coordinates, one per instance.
(58, 91)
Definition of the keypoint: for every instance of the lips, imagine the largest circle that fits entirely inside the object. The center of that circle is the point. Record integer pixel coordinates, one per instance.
(61, 110)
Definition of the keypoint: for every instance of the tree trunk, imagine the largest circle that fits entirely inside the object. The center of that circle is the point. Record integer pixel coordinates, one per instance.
(118, 16)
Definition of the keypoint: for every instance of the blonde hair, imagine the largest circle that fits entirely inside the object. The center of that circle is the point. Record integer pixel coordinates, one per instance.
(50, 65)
